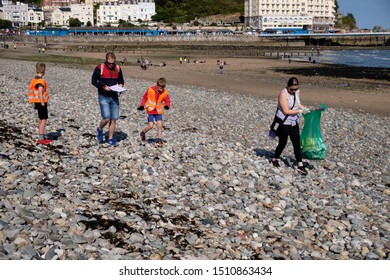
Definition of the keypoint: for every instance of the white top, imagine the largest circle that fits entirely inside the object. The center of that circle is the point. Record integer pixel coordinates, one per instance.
(292, 119)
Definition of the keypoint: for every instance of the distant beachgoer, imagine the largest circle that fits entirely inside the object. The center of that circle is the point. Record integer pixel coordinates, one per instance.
(181, 60)
(221, 68)
(123, 61)
(154, 101)
(289, 106)
(105, 75)
(39, 96)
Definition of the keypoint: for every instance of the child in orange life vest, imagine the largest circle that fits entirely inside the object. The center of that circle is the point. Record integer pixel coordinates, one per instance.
(38, 95)
(154, 101)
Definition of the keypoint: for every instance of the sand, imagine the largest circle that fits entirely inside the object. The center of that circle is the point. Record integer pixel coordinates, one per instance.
(263, 77)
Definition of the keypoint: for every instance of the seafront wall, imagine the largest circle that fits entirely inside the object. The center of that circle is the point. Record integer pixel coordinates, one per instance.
(357, 40)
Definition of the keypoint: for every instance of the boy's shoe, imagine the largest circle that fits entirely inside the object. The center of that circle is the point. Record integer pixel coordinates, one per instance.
(44, 142)
(99, 135)
(302, 170)
(111, 142)
(48, 141)
(275, 162)
(143, 136)
(160, 142)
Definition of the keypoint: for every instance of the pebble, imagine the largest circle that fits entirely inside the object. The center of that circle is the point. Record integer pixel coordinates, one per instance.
(208, 193)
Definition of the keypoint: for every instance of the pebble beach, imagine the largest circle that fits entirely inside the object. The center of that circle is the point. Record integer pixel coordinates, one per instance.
(208, 193)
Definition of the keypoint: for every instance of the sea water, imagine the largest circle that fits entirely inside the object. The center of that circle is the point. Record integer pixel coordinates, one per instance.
(362, 58)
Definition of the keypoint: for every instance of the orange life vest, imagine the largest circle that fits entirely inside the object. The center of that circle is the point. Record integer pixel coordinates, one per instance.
(152, 103)
(33, 96)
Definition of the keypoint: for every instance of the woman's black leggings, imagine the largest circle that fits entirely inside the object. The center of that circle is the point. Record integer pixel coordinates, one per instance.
(283, 132)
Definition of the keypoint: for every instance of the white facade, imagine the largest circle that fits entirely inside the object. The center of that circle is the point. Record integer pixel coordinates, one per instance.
(306, 14)
(91, 2)
(129, 11)
(60, 16)
(35, 16)
(83, 12)
(17, 14)
(146, 9)
(108, 13)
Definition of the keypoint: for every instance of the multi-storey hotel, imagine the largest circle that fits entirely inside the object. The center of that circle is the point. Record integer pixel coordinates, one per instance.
(111, 12)
(290, 14)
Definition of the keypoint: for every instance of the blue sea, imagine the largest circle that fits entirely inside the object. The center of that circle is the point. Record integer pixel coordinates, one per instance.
(366, 58)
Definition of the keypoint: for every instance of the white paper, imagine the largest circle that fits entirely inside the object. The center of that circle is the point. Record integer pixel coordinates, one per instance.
(117, 88)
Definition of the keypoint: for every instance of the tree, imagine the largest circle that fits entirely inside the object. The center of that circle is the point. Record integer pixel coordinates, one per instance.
(123, 23)
(95, 8)
(349, 22)
(74, 22)
(5, 24)
(89, 23)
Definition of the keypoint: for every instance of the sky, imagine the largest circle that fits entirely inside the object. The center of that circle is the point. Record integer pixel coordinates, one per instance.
(367, 13)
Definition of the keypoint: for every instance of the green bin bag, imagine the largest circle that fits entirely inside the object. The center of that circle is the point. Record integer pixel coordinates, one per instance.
(312, 143)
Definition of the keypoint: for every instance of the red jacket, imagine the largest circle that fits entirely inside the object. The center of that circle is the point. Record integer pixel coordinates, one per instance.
(166, 100)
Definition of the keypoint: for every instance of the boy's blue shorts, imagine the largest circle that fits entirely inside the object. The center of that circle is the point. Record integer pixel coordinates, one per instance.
(152, 118)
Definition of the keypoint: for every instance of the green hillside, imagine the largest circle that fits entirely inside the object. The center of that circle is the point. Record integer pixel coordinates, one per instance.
(181, 11)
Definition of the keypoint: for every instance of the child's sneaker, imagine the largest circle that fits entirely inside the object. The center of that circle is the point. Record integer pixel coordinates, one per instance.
(111, 142)
(48, 141)
(160, 142)
(43, 142)
(143, 136)
(302, 170)
(99, 135)
(275, 162)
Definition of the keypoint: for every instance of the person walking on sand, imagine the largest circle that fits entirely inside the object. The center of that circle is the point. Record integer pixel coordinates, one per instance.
(39, 96)
(104, 76)
(154, 101)
(289, 106)
(221, 67)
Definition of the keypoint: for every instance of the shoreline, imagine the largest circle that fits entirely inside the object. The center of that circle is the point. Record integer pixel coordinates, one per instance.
(363, 89)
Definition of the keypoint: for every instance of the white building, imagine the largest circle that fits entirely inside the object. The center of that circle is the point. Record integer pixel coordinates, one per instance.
(82, 12)
(35, 16)
(129, 11)
(288, 14)
(17, 14)
(60, 16)
(146, 9)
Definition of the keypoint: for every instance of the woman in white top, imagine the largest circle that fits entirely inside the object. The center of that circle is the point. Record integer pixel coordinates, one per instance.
(289, 106)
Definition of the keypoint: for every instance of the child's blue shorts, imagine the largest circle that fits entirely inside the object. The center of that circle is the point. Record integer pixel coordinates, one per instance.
(152, 118)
